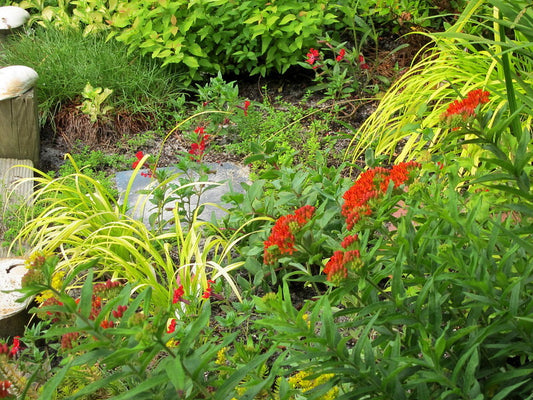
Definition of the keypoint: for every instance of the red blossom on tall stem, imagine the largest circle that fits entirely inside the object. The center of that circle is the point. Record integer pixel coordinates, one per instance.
(208, 290)
(282, 237)
(139, 155)
(198, 148)
(245, 107)
(341, 55)
(362, 63)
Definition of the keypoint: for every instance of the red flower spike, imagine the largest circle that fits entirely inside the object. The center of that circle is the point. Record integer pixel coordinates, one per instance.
(245, 107)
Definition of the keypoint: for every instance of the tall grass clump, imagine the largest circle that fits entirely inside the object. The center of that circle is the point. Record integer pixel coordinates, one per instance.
(66, 60)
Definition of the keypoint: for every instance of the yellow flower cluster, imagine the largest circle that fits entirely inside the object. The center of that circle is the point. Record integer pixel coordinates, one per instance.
(301, 381)
(221, 356)
(57, 282)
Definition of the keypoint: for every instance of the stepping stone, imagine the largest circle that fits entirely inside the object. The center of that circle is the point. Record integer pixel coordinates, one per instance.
(227, 175)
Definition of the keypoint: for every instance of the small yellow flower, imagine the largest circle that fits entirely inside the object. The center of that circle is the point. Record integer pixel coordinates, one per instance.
(305, 317)
(221, 356)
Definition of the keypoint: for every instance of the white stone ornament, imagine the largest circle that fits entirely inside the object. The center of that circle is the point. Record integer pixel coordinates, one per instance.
(12, 17)
(16, 80)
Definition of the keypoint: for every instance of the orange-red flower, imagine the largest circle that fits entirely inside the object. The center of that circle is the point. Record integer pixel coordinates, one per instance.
(371, 185)
(282, 237)
(465, 109)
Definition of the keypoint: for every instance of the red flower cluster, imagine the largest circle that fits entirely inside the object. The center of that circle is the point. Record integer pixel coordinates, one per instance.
(343, 261)
(151, 169)
(463, 110)
(281, 239)
(312, 56)
(178, 295)
(13, 350)
(198, 148)
(68, 339)
(104, 287)
(373, 184)
(119, 312)
(4, 389)
(341, 55)
(106, 324)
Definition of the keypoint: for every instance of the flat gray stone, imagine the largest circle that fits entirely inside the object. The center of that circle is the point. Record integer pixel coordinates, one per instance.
(223, 176)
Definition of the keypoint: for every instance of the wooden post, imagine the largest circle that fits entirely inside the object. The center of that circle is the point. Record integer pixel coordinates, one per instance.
(19, 128)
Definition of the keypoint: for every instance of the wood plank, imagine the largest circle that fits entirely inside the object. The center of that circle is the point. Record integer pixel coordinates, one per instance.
(12, 171)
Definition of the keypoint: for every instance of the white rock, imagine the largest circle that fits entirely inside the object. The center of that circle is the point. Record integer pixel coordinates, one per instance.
(12, 17)
(16, 80)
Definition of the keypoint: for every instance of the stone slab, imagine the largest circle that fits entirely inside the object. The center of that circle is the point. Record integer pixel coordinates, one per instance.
(225, 175)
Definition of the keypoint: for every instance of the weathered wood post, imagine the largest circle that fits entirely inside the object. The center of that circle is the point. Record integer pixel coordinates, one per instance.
(19, 121)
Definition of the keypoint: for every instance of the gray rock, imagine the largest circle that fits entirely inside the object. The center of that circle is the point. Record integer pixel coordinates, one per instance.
(223, 177)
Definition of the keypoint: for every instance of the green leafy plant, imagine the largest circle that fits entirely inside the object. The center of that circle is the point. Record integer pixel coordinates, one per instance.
(278, 193)
(435, 308)
(93, 105)
(137, 349)
(83, 219)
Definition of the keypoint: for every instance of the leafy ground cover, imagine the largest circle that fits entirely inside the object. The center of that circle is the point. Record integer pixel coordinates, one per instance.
(382, 250)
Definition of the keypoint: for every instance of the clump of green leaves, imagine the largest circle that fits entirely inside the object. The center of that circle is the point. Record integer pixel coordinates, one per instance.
(93, 103)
